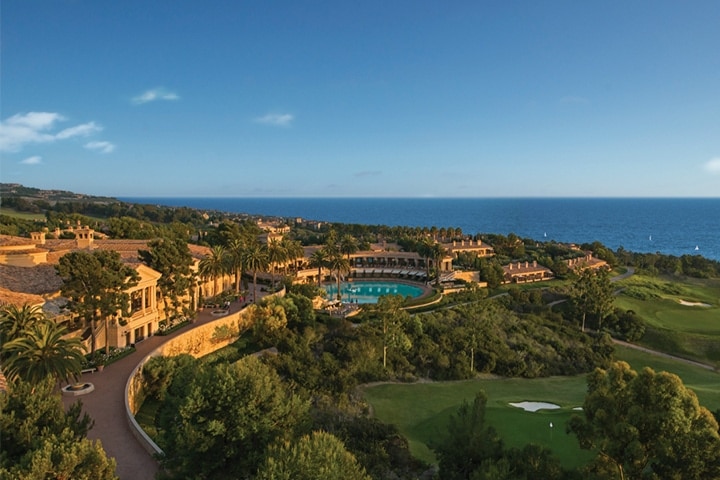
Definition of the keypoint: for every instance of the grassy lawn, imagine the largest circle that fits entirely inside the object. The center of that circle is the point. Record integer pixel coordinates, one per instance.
(691, 331)
(10, 212)
(671, 314)
(705, 383)
(658, 301)
(421, 411)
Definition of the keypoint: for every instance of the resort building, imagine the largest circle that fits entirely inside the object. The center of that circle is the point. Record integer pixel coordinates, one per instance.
(524, 272)
(379, 261)
(588, 261)
(385, 261)
(272, 231)
(476, 247)
(28, 276)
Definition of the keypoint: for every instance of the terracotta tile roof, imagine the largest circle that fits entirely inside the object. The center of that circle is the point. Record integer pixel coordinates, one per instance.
(60, 244)
(18, 298)
(9, 240)
(122, 245)
(198, 251)
(43, 279)
(128, 249)
(38, 280)
(58, 248)
(26, 251)
(524, 267)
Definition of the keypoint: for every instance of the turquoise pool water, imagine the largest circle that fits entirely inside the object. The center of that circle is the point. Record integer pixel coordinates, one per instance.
(369, 292)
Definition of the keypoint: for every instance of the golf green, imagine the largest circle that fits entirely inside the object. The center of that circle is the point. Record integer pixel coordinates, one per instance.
(421, 410)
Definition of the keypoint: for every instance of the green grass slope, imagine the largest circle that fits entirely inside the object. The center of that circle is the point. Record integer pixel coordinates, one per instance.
(421, 411)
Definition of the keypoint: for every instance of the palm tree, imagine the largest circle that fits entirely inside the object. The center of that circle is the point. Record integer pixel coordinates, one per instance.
(15, 320)
(215, 265)
(277, 254)
(340, 265)
(235, 249)
(437, 252)
(294, 251)
(424, 248)
(42, 351)
(348, 245)
(331, 243)
(255, 258)
(319, 259)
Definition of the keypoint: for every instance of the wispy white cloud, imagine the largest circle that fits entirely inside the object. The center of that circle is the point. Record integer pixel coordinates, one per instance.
(276, 119)
(101, 147)
(24, 129)
(35, 120)
(155, 94)
(82, 130)
(574, 100)
(34, 160)
(713, 166)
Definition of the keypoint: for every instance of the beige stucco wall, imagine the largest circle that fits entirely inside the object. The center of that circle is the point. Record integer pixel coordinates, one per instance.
(196, 342)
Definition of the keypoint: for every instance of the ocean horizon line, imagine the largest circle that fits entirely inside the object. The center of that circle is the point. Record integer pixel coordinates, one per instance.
(669, 225)
(291, 197)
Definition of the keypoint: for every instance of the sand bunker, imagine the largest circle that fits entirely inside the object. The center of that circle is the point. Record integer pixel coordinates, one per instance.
(694, 304)
(535, 406)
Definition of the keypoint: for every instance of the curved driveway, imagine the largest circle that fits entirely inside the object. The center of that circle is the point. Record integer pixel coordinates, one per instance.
(106, 406)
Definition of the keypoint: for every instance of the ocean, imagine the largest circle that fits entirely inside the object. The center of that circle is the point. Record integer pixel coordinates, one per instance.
(672, 226)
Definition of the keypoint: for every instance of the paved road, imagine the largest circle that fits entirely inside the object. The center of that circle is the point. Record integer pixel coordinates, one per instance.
(630, 271)
(664, 355)
(106, 405)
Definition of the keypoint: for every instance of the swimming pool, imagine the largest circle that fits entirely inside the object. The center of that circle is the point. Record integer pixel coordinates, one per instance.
(369, 292)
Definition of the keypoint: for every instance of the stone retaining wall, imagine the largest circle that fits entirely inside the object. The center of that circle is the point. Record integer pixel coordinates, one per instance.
(196, 342)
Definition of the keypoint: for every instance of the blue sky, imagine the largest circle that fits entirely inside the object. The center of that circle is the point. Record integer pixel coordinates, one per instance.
(372, 98)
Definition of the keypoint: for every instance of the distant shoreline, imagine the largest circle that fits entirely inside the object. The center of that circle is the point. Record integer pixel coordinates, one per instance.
(670, 226)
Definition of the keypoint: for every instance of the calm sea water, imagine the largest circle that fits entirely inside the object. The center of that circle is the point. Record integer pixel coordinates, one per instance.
(669, 226)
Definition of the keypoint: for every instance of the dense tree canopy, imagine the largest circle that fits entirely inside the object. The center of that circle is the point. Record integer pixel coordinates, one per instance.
(592, 296)
(171, 257)
(318, 456)
(646, 425)
(469, 443)
(392, 319)
(96, 283)
(40, 440)
(227, 415)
